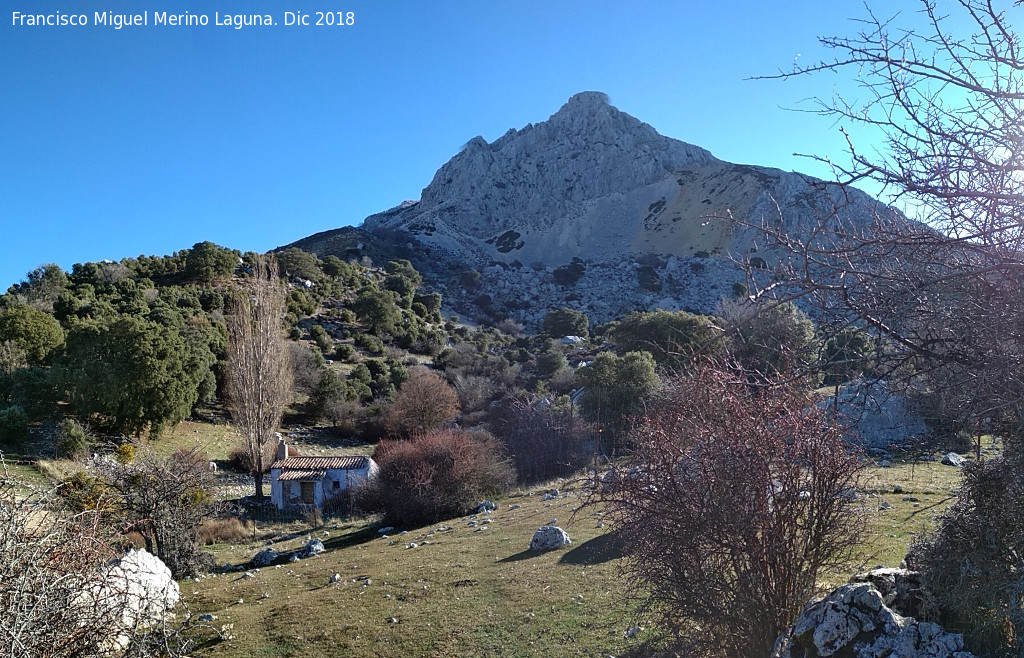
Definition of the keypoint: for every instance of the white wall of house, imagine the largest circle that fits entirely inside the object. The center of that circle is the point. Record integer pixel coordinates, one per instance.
(337, 480)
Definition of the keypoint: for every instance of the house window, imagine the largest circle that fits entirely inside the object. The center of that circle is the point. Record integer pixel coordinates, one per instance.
(335, 485)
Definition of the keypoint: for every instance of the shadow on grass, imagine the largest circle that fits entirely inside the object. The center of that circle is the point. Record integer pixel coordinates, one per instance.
(522, 555)
(352, 538)
(604, 548)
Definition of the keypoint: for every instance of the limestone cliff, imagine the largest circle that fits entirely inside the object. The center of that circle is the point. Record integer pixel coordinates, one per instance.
(595, 209)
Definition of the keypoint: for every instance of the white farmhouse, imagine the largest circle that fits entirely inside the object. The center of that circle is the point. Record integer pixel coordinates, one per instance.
(315, 480)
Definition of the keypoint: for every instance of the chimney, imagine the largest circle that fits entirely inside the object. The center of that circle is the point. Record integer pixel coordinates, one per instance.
(282, 450)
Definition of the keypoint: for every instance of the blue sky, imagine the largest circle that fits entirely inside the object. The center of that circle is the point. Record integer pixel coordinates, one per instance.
(146, 140)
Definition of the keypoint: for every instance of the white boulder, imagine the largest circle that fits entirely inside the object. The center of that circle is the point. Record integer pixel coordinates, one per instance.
(548, 538)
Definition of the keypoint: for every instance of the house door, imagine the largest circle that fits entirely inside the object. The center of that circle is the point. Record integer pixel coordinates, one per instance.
(306, 492)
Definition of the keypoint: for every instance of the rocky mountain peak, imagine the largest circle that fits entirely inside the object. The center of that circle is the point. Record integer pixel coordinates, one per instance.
(594, 208)
(534, 177)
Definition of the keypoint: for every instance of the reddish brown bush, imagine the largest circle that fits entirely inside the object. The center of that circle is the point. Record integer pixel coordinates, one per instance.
(424, 402)
(734, 501)
(436, 475)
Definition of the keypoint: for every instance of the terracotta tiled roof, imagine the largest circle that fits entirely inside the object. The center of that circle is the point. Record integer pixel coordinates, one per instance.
(302, 474)
(349, 463)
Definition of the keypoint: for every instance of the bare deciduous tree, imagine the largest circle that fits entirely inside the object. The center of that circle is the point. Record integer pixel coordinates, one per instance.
(424, 402)
(733, 502)
(259, 368)
(943, 295)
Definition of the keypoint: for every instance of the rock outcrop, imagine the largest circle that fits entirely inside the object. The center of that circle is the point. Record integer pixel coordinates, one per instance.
(137, 591)
(854, 621)
(594, 209)
(877, 416)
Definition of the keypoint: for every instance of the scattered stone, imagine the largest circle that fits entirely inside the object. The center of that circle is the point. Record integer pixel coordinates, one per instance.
(884, 505)
(848, 494)
(335, 578)
(632, 630)
(385, 529)
(514, 507)
(206, 616)
(897, 489)
(484, 507)
(313, 547)
(264, 558)
(549, 495)
(911, 499)
(411, 544)
(549, 537)
(885, 463)
(952, 459)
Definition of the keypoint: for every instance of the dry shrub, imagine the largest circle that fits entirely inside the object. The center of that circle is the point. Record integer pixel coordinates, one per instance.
(231, 530)
(163, 499)
(971, 565)
(543, 442)
(474, 391)
(344, 416)
(436, 475)
(424, 402)
(55, 600)
(732, 504)
(239, 460)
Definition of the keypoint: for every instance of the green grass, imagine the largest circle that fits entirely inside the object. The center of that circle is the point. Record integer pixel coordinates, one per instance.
(460, 592)
(890, 532)
(217, 441)
(463, 592)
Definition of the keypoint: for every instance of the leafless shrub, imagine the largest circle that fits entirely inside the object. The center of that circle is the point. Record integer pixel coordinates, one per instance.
(424, 402)
(732, 504)
(55, 599)
(306, 367)
(474, 391)
(543, 442)
(563, 381)
(165, 500)
(344, 416)
(436, 475)
(971, 565)
(510, 327)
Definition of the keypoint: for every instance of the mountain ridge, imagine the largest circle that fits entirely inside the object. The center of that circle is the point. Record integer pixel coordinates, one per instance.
(643, 220)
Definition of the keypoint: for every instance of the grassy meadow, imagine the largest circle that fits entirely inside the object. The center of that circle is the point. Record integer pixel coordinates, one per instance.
(469, 586)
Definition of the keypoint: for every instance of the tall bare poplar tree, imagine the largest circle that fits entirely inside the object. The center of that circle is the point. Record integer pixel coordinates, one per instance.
(259, 373)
